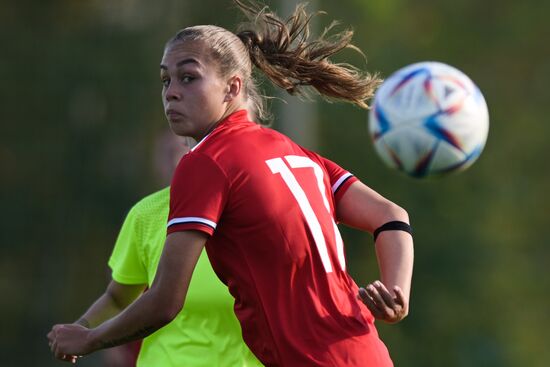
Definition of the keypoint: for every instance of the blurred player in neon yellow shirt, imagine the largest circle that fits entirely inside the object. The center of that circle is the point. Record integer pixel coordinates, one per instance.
(206, 331)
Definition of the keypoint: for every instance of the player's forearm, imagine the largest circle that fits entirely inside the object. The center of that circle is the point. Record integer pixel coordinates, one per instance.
(162, 302)
(101, 310)
(116, 298)
(143, 317)
(394, 250)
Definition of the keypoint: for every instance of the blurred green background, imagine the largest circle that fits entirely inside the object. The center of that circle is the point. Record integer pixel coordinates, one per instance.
(80, 97)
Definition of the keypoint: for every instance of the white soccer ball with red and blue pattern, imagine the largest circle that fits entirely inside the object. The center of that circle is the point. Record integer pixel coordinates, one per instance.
(429, 119)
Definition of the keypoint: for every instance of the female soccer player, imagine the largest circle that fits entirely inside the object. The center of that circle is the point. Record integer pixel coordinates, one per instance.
(265, 208)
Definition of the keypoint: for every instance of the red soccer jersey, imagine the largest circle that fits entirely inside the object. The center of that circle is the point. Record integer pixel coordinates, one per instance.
(268, 205)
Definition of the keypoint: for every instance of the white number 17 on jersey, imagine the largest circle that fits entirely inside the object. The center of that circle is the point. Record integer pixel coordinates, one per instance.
(278, 165)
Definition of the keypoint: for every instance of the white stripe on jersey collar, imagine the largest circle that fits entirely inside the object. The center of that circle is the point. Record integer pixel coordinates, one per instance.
(240, 112)
(200, 142)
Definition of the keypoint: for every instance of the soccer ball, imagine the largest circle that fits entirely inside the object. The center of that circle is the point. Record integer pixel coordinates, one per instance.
(429, 119)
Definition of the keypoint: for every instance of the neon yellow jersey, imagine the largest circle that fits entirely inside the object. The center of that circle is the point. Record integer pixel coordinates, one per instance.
(206, 332)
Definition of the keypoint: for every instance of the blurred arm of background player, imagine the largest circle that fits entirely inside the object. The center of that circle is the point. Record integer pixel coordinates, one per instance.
(116, 298)
(362, 208)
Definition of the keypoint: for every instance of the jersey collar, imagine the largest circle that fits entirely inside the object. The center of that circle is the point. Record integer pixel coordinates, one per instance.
(237, 116)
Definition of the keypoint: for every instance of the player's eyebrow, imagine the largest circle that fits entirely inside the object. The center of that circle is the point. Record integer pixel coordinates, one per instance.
(181, 63)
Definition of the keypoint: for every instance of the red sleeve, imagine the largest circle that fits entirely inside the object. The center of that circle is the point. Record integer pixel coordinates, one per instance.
(197, 194)
(340, 179)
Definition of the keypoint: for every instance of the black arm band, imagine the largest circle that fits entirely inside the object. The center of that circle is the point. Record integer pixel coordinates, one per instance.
(395, 225)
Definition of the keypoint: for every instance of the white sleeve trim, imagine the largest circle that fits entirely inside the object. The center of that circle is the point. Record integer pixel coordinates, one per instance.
(207, 222)
(340, 181)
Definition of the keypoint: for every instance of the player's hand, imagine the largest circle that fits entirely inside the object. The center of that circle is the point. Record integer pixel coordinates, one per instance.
(382, 304)
(69, 341)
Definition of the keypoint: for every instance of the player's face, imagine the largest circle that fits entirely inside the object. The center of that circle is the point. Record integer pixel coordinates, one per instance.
(193, 92)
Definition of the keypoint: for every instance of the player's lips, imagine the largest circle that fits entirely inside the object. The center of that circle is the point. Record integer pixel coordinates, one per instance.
(173, 115)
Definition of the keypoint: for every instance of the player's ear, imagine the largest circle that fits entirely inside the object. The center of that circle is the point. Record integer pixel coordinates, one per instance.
(234, 86)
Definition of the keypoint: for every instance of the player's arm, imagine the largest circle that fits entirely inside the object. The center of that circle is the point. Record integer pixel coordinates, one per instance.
(363, 208)
(154, 309)
(116, 298)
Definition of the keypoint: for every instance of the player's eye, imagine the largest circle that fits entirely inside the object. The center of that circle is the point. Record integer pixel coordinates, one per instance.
(165, 82)
(187, 79)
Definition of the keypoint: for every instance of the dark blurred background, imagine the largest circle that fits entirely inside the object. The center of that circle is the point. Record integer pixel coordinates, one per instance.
(80, 110)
